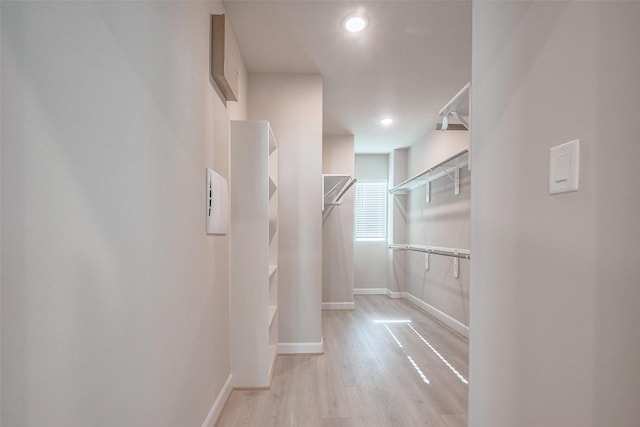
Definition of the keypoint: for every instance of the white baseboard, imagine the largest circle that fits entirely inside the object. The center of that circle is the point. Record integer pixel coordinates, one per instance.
(215, 410)
(454, 324)
(338, 305)
(301, 347)
(394, 294)
(370, 291)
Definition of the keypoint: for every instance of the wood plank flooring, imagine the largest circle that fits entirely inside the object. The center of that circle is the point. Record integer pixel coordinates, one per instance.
(371, 374)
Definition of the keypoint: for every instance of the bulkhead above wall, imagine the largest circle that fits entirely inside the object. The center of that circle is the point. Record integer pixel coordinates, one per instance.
(224, 57)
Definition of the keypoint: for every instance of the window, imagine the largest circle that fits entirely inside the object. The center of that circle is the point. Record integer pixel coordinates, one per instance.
(371, 210)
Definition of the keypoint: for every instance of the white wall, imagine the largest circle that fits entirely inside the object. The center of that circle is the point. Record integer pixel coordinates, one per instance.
(444, 221)
(114, 301)
(293, 106)
(337, 226)
(435, 147)
(554, 279)
(370, 267)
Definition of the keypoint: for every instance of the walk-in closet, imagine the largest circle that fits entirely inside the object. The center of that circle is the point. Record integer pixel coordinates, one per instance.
(317, 213)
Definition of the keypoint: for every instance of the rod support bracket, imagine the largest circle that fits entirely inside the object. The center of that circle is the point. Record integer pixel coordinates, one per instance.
(456, 265)
(427, 190)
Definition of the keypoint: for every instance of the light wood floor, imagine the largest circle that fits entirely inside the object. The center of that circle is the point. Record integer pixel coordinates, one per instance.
(365, 378)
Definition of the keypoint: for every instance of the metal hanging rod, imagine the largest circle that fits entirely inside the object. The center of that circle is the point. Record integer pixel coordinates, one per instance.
(344, 190)
(435, 250)
(334, 188)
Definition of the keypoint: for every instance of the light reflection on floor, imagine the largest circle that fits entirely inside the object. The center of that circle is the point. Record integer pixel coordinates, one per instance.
(392, 321)
(445, 361)
(393, 335)
(413, 363)
(418, 370)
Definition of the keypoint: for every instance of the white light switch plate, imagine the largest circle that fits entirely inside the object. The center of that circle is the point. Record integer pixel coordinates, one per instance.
(564, 167)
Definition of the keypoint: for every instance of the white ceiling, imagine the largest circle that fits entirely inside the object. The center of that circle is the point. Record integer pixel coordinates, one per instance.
(412, 58)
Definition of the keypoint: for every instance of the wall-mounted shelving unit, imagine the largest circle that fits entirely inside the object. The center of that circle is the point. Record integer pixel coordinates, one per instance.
(449, 168)
(253, 253)
(455, 253)
(458, 107)
(334, 187)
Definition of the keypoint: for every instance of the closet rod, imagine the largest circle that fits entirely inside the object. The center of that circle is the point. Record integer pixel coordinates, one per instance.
(345, 189)
(435, 250)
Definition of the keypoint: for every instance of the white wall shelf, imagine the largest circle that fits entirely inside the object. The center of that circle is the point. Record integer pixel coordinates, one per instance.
(458, 107)
(449, 168)
(253, 255)
(272, 313)
(272, 187)
(334, 187)
(272, 270)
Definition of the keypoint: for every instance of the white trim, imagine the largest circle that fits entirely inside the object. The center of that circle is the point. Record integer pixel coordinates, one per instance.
(301, 347)
(454, 324)
(394, 294)
(215, 410)
(338, 305)
(370, 291)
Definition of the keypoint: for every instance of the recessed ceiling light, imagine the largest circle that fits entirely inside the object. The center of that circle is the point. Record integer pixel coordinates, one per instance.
(386, 121)
(355, 23)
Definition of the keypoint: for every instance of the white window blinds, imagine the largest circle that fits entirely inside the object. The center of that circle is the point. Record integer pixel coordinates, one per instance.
(371, 211)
